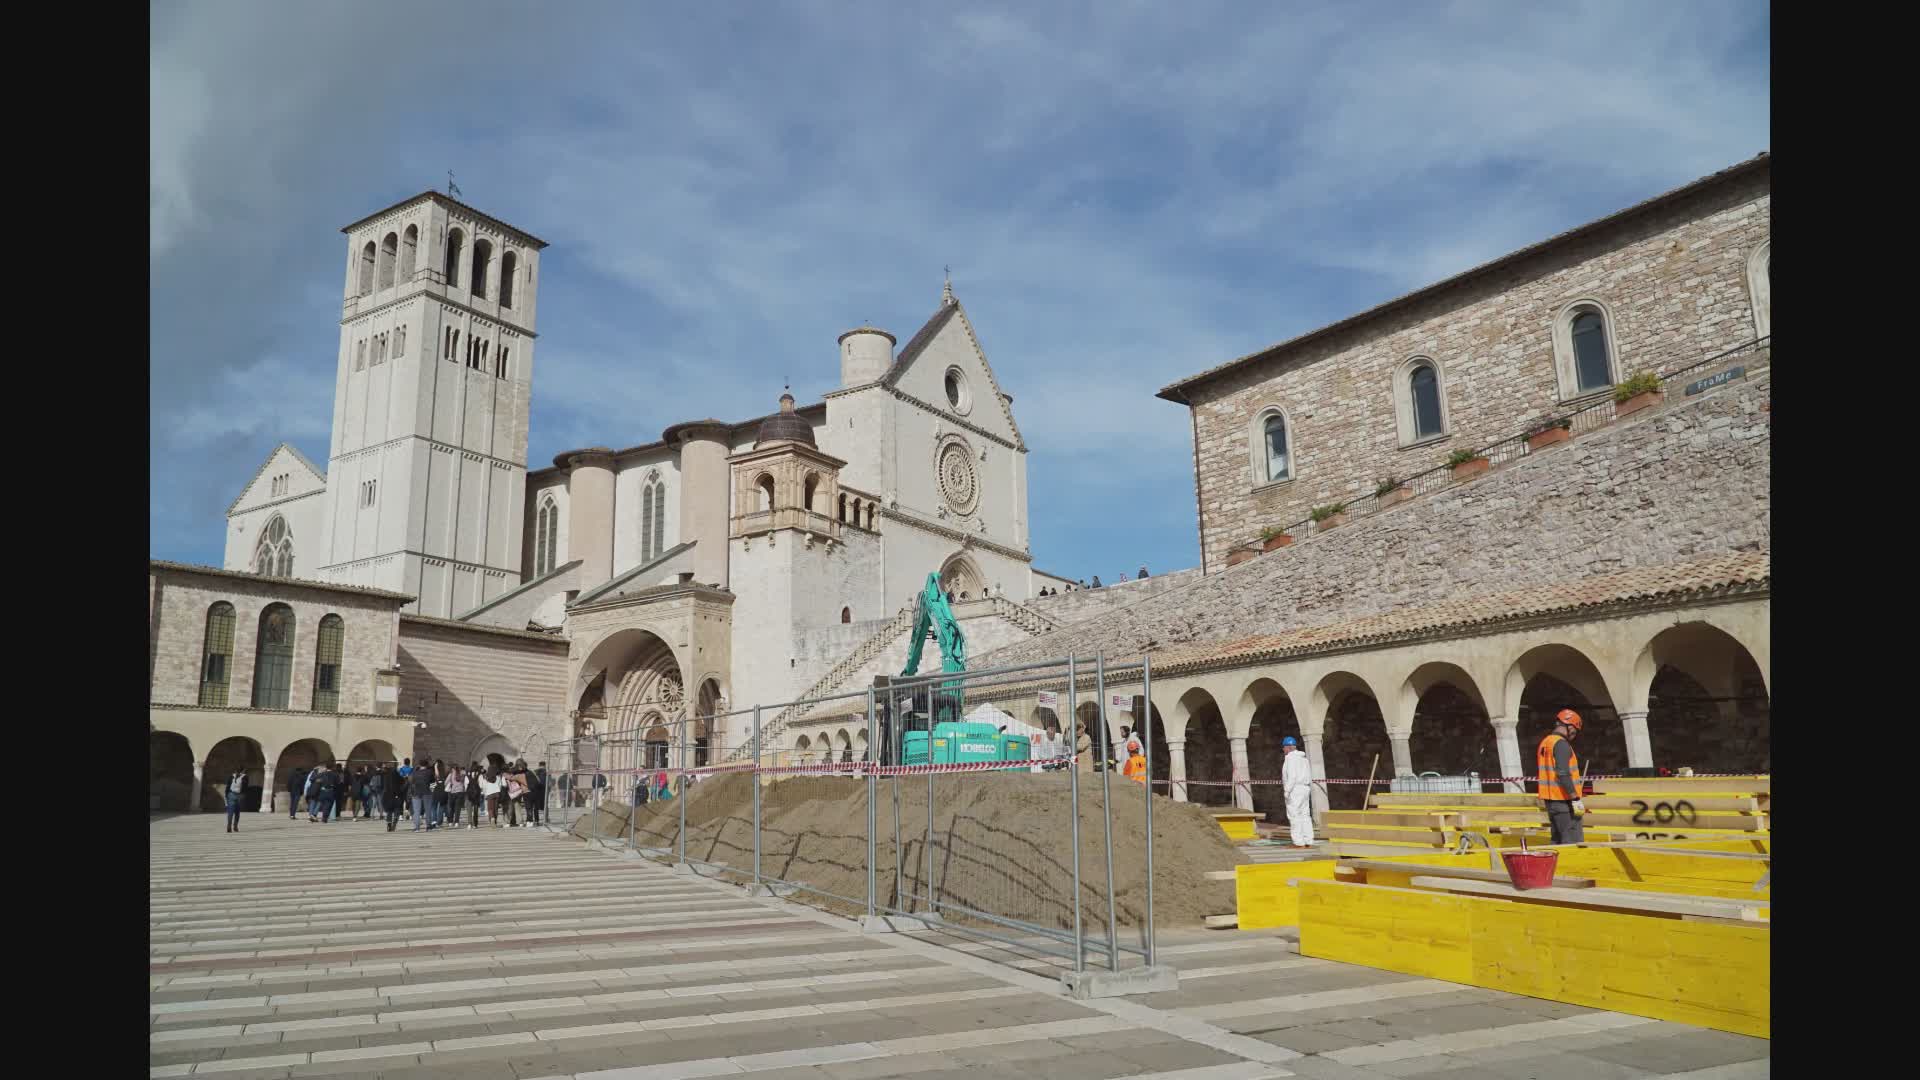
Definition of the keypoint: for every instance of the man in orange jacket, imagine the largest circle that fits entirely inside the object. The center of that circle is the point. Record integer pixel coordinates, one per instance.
(1136, 766)
(1557, 768)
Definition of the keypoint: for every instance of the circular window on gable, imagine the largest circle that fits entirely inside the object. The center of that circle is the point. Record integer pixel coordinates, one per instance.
(958, 396)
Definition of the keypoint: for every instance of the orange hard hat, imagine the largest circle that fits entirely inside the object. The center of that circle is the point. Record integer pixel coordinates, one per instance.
(1569, 718)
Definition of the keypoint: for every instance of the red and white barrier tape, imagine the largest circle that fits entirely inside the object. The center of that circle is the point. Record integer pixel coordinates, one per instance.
(861, 768)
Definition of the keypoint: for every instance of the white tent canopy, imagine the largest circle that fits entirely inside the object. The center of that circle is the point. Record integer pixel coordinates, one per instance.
(986, 713)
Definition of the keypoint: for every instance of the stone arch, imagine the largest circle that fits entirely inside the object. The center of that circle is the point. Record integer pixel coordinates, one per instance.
(231, 753)
(169, 771)
(656, 742)
(1090, 736)
(960, 576)
(1708, 706)
(1044, 718)
(1449, 732)
(1271, 718)
(843, 745)
(1209, 757)
(638, 673)
(373, 752)
(301, 754)
(763, 484)
(803, 749)
(495, 750)
(1353, 734)
(1554, 676)
(810, 492)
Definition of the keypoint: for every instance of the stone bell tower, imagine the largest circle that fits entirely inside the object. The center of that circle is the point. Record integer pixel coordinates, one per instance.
(426, 475)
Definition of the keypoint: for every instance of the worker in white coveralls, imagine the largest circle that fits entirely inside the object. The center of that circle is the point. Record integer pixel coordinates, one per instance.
(1296, 784)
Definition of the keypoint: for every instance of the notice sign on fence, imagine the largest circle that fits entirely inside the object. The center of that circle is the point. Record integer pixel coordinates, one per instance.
(1122, 703)
(1047, 699)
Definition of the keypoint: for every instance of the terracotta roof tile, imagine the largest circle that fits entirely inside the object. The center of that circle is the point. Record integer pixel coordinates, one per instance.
(1737, 572)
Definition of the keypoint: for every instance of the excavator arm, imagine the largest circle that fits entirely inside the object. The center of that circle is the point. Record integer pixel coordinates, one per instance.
(931, 611)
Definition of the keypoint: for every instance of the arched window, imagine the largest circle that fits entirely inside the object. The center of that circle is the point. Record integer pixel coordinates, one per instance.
(869, 517)
(646, 522)
(409, 247)
(216, 655)
(389, 254)
(545, 537)
(509, 265)
(400, 341)
(843, 506)
(273, 659)
(1419, 401)
(1586, 349)
(326, 663)
(1271, 441)
(482, 262)
(455, 240)
(273, 553)
(1760, 287)
(809, 489)
(659, 518)
(366, 269)
(765, 487)
(846, 614)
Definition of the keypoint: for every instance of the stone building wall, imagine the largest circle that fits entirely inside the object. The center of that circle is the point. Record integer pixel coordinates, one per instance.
(181, 598)
(1676, 482)
(469, 683)
(1675, 281)
(1083, 604)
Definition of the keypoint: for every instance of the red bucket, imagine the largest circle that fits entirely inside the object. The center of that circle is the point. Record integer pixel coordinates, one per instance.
(1531, 869)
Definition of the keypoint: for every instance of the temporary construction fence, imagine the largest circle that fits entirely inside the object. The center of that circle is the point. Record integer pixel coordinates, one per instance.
(898, 823)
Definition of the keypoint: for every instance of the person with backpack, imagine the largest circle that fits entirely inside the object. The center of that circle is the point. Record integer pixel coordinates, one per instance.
(456, 796)
(310, 788)
(420, 794)
(236, 793)
(296, 783)
(537, 805)
(392, 793)
(374, 793)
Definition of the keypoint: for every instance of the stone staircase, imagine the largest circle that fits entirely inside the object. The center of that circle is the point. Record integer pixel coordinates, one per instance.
(889, 637)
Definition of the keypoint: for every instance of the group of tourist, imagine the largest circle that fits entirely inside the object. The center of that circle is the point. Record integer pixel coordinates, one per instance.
(430, 794)
(1082, 583)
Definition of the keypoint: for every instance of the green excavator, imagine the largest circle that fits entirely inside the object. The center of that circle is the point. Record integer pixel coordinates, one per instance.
(930, 719)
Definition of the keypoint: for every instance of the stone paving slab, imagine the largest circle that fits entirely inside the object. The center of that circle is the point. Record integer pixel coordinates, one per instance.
(591, 967)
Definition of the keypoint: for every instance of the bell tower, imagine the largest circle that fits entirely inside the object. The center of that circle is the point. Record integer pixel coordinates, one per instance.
(426, 475)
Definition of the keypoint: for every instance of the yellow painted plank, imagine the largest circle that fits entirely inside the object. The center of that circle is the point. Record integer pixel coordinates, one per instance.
(1709, 974)
(1263, 897)
(1238, 828)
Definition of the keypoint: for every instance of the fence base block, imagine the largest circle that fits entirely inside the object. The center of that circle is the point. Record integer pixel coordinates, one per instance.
(682, 868)
(899, 924)
(1141, 980)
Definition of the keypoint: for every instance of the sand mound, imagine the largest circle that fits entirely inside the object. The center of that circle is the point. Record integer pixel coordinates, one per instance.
(1002, 844)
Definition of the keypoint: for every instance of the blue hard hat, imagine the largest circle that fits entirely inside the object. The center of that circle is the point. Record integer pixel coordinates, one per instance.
(1288, 741)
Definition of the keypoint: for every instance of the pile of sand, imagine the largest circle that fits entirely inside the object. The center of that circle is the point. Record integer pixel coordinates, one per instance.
(1002, 844)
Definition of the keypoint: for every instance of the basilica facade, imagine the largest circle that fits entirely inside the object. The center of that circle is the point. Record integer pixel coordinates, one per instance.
(723, 560)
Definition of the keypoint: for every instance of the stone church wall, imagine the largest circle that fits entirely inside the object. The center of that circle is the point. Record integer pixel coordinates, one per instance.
(469, 683)
(1671, 483)
(1676, 282)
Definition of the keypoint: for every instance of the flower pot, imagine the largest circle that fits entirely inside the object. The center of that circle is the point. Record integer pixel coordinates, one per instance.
(1544, 439)
(1637, 402)
(1333, 522)
(1472, 468)
(1240, 555)
(1397, 495)
(1275, 543)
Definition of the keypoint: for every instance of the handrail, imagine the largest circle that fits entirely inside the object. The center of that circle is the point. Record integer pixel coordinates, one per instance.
(1515, 446)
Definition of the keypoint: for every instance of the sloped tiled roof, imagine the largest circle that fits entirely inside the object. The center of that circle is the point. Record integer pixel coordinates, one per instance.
(1741, 573)
(214, 571)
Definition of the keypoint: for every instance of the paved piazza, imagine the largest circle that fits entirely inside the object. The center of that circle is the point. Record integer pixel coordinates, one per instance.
(295, 949)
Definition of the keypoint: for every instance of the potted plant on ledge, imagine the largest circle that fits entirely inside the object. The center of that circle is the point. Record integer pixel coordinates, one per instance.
(1273, 538)
(1390, 491)
(1330, 516)
(1637, 393)
(1467, 463)
(1549, 430)
(1240, 554)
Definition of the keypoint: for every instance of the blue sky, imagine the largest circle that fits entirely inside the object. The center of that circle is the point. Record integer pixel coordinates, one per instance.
(1127, 193)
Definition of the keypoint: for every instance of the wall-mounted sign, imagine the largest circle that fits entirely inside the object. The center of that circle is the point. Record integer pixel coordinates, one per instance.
(1122, 703)
(1047, 699)
(1712, 381)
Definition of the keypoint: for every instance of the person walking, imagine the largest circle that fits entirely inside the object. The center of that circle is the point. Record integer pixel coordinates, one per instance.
(420, 794)
(1296, 787)
(475, 796)
(376, 797)
(537, 802)
(1557, 768)
(392, 793)
(456, 795)
(490, 789)
(236, 793)
(296, 785)
(310, 789)
(320, 801)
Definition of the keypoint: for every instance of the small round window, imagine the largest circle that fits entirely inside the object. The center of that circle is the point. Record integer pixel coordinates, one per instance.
(957, 395)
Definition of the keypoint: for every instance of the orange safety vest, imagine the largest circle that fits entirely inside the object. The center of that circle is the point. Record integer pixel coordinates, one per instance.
(1550, 789)
(1135, 768)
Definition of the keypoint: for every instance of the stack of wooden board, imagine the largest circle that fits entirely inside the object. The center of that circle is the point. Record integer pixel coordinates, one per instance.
(1662, 808)
(1672, 930)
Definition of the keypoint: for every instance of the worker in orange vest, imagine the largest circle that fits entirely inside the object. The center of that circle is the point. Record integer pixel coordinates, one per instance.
(1136, 766)
(1557, 768)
